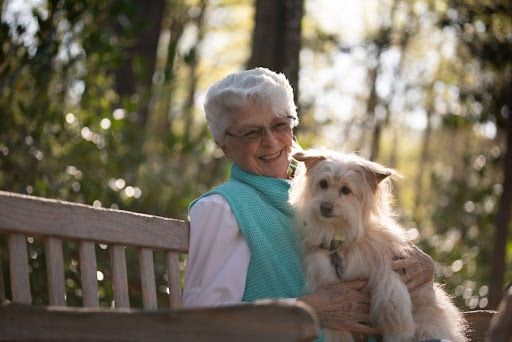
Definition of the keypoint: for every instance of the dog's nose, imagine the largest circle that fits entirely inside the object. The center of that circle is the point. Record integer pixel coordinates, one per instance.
(326, 209)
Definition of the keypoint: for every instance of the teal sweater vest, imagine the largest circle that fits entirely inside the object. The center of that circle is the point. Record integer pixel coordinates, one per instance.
(260, 206)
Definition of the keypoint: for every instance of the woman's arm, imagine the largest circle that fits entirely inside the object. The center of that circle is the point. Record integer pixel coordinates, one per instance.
(218, 257)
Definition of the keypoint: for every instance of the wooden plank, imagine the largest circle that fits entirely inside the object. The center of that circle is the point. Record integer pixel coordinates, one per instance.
(3, 297)
(267, 321)
(119, 276)
(174, 280)
(500, 327)
(88, 274)
(55, 271)
(18, 266)
(147, 278)
(36, 216)
(478, 323)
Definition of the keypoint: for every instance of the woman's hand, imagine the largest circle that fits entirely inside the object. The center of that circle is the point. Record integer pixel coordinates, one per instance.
(342, 306)
(416, 269)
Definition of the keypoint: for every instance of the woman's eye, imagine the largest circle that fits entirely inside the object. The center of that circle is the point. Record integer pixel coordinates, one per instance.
(252, 134)
(279, 127)
(345, 190)
(324, 184)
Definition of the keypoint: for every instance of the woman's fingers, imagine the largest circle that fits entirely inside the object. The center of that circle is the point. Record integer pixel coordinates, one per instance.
(361, 328)
(365, 308)
(414, 270)
(359, 296)
(404, 278)
(402, 263)
(354, 284)
(346, 305)
(342, 305)
(355, 307)
(349, 290)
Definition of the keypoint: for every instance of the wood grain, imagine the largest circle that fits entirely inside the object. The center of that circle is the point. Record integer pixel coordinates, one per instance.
(119, 276)
(88, 274)
(18, 266)
(55, 271)
(267, 321)
(147, 278)
(3, 297)
(174, 280)
(36, 216)
(478, 323)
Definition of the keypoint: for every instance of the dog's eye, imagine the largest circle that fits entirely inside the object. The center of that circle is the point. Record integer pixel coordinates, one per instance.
(324, 184)
(345, 190)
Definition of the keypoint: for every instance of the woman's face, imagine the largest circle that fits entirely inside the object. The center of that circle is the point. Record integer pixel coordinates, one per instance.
(267, 156)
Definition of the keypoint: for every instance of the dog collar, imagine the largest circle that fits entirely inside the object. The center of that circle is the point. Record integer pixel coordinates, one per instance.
(336, 260)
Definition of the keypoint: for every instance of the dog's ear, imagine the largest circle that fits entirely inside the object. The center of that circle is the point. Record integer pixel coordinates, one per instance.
(376, 173)
(307, 159)
(382, 174)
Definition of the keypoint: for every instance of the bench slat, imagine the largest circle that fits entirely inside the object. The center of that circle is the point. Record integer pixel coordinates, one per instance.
(88, 274)
(119, 276)
(18, 263)
(251, 322)
(35, 216)
(174, 280)
(147, 278)
(478, 324)
(3, 298)
(55, 271)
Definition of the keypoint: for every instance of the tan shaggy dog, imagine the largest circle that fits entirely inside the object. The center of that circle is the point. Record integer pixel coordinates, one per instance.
(338, 194)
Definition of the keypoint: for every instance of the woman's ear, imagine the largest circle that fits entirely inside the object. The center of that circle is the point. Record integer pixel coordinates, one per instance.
(309, 160)
(225, 149)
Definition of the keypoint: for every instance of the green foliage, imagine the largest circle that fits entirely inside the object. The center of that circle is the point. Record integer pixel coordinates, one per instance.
(466, 193)
(66, 133)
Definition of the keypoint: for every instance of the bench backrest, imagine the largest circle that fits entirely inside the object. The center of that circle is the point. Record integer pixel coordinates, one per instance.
(52, 221)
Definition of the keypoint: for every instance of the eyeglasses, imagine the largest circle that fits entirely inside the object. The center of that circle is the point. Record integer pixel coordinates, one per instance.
(252, 134)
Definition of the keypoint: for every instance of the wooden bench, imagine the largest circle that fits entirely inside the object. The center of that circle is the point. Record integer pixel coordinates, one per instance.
(52, 221)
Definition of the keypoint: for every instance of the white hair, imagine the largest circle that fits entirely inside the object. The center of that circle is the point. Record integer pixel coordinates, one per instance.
(239, 90)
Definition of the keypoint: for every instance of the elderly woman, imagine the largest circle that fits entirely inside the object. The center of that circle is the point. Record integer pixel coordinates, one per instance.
(242, 243)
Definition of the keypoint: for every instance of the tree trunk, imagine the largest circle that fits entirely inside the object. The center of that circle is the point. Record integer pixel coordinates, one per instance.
(129, 78)
(188, 107)
(422, 165)
(502, 221)
(276, 39)
(371, 103)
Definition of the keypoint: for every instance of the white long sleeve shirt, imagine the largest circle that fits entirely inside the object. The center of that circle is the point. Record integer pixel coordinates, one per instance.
(218, 258)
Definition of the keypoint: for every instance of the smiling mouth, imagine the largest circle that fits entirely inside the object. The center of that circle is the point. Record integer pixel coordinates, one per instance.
(271, 156)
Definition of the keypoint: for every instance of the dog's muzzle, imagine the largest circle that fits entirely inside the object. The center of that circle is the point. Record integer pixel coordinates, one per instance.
(326, 209)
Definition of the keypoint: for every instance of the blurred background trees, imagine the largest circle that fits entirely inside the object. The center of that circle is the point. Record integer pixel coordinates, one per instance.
(101, 103)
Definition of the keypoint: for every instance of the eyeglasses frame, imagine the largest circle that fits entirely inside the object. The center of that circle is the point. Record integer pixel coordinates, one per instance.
(293, 119)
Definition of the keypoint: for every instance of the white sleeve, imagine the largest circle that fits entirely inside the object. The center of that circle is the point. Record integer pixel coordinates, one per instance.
(218, 257)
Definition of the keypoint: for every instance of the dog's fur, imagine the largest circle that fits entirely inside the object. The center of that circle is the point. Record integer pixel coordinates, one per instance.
(372, 237)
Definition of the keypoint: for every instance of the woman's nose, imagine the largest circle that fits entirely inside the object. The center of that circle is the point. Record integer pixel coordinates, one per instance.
(268, 136)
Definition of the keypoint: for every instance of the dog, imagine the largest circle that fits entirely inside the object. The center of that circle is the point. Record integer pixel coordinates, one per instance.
(337, 194)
